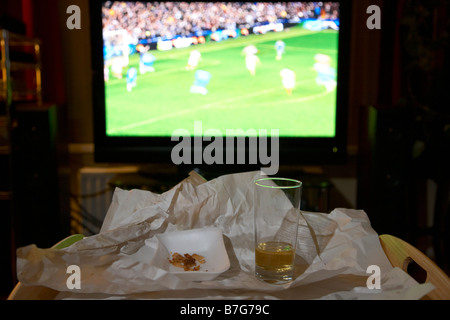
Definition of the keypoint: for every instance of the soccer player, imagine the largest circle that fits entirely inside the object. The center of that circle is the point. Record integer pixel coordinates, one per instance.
(193, 60)
(131, 79)
(117, 67)
(202, 79)
(146, 59)
(288, 79)
(279, 47)
(251, 61)
(326, 75)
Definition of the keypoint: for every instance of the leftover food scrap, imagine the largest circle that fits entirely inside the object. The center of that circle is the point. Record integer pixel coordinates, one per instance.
(187, 262)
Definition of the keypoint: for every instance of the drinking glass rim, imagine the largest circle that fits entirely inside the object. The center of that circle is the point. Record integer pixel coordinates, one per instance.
(298, 183)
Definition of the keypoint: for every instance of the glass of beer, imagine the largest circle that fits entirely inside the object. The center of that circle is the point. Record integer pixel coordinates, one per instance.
(276, 214)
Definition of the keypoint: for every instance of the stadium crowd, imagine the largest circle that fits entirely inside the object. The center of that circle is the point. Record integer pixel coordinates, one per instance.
(168, 19)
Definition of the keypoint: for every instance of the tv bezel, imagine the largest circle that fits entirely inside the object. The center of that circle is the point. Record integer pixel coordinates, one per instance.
(153, 150)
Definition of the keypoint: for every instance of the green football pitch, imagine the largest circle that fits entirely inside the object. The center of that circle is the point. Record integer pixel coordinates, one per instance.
(161, 101)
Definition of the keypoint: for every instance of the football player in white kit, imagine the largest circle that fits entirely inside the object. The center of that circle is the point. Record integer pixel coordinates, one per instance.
(288, 79)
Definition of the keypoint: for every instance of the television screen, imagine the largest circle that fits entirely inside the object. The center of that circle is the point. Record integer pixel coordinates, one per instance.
(173, 69)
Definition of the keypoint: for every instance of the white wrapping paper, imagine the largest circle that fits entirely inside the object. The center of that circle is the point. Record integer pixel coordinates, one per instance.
(126, 261)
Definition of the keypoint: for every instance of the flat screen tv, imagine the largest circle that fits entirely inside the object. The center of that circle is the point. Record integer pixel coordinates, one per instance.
(231, 85)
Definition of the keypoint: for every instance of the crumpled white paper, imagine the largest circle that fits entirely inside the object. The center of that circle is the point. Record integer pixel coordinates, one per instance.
(125, 260)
